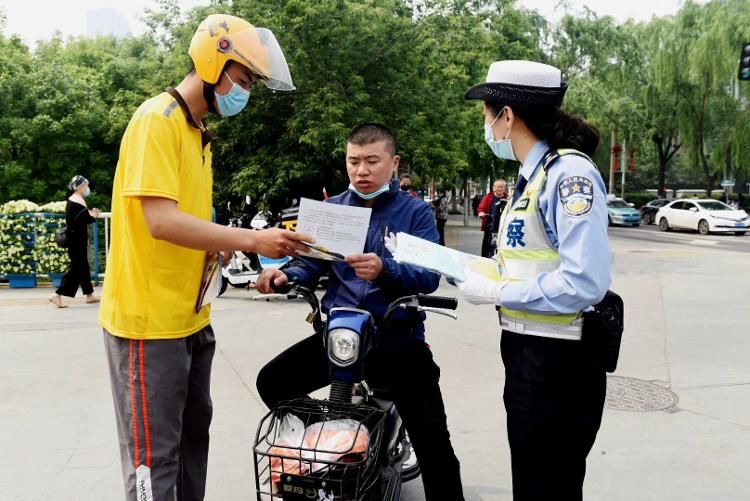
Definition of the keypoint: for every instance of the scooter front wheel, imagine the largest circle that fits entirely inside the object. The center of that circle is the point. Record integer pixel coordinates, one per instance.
(409, 468)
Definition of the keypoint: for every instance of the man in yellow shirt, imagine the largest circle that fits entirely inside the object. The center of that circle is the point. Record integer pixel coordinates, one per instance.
(158, 336)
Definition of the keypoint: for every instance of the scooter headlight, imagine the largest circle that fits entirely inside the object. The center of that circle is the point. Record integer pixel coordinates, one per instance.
(343, 347)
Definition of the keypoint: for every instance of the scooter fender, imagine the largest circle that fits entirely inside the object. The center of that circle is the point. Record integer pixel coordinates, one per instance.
(240, 278)
(392, 423)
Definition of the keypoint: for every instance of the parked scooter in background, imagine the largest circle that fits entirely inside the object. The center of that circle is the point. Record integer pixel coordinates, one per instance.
(245, 267)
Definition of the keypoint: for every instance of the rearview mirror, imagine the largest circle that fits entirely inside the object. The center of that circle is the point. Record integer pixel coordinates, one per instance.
(693, 209)
(632, 205)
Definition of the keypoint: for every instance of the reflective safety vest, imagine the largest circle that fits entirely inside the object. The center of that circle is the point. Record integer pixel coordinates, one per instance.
(525, 251)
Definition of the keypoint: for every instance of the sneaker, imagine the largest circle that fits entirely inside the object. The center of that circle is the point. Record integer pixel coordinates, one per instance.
(92, 299)
(57, 301)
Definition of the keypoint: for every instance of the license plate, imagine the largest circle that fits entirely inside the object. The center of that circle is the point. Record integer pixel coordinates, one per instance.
(297, 488)
(739, 225)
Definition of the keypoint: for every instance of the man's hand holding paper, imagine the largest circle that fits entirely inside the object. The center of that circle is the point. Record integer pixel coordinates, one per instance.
(339, 231)
(367, 266)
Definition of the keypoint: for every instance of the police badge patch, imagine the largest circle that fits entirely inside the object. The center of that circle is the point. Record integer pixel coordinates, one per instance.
(576, 195)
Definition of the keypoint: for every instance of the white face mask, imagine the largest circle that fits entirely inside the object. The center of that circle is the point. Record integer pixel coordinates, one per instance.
(370, 196)
(503, 148)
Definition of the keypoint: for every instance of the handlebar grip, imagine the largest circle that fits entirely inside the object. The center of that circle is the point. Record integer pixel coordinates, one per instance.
(283, 289)
(446, 303)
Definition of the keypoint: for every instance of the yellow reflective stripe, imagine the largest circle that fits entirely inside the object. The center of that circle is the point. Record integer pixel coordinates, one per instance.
(525, 316)
(542, 256)
(531, 255)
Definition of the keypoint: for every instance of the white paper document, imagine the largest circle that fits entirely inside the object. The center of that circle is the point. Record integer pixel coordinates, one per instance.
(449, 262)
(338, 230)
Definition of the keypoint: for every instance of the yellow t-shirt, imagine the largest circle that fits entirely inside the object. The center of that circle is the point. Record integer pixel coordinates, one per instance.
(151, 286)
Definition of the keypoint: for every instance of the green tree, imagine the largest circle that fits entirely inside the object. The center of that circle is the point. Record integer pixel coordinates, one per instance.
(16, 105)
(603, 63)
(709, 114)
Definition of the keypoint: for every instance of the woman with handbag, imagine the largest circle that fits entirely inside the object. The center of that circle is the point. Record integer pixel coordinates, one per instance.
(77, 219)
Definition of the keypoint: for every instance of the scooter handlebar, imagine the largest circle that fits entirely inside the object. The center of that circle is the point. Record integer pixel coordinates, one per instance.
(446, 303)
(283, 289)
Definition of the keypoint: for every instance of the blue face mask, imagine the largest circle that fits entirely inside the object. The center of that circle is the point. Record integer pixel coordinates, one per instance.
(233, 101)
(370, 196)
(87, 191)
(502, 149)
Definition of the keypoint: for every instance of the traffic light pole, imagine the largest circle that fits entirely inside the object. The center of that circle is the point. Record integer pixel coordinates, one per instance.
(611, 189)
(623, 166)
(744, 71)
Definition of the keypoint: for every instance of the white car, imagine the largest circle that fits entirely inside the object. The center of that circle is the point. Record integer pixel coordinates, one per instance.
(704, 215)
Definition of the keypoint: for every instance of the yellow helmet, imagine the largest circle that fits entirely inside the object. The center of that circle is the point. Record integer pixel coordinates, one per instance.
(221, 38)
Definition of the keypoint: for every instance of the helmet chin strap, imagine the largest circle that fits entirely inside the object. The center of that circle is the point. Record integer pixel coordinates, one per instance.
(208, 95)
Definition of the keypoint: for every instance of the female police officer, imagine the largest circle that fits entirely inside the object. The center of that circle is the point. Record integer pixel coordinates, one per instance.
(555, 259)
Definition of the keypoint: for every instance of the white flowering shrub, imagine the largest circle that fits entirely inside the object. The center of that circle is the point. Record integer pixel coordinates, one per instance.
(27, 238)
(17, 244)
(48, 256)
(19, 207)
(54, 207)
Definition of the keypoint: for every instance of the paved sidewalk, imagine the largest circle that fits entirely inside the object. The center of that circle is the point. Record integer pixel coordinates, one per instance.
(686, 332)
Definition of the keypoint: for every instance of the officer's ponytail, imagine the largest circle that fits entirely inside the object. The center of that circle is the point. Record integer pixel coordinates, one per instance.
(558, 128)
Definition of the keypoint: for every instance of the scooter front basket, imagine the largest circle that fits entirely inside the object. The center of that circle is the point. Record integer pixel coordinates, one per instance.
(316, 449)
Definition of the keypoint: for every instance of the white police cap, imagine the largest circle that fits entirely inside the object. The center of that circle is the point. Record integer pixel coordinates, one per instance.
(520, 82)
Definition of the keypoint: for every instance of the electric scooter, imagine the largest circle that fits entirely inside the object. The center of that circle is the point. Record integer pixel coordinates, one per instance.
(371, 458)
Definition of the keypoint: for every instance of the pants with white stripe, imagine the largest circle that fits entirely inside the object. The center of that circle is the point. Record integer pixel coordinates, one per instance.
(161, 392)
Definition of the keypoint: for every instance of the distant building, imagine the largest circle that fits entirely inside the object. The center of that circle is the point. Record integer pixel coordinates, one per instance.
(106, 21)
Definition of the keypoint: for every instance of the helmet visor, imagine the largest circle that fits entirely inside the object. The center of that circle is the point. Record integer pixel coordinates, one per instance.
(258, 49)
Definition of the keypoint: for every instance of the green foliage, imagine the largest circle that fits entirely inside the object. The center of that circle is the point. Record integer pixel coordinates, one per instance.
(65, 107)
(667, 87)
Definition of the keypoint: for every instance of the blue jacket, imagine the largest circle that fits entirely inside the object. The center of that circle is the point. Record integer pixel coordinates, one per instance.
(393, 211)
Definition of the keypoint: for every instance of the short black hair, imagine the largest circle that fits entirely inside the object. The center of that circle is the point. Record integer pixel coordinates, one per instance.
(369, 133)
(405, 175)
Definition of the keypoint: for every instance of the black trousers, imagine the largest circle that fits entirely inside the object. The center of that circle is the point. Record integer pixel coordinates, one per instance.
(487, 249)
(409, 373)
(78, 275)
(441, 229)
(554, 399)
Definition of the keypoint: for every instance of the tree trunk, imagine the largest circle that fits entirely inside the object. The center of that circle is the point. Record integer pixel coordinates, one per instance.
(467, 202)
(710, 177)
(666, 148)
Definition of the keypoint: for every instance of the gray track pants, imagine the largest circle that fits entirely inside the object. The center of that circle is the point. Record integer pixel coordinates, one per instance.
(161, 391)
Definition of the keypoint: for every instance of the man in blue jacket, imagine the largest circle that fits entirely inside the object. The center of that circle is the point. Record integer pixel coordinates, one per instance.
(402, 362)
